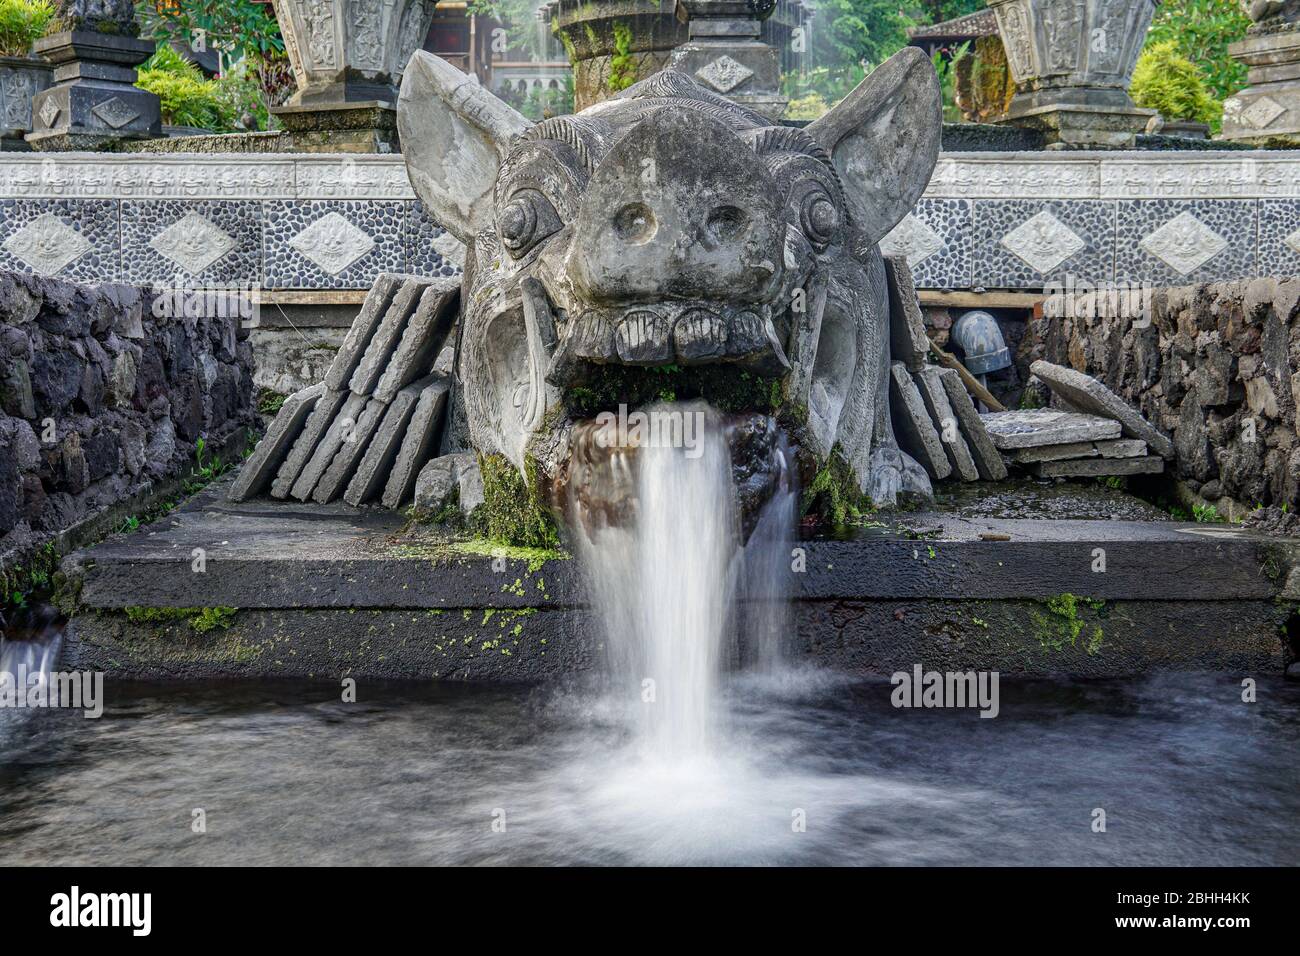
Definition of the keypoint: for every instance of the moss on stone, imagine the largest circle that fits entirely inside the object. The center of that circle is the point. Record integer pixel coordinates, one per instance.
(513, 512)
(833, 494)
(1063, 622)
(725, 387)
(201, 619)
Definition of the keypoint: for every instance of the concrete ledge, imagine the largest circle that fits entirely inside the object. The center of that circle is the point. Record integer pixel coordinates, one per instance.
(312, 591)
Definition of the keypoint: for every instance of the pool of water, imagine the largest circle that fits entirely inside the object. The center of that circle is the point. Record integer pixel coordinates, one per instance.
(1186, 773)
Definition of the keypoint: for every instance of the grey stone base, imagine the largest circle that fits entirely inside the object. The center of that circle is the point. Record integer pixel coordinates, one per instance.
(363, 127)
(1075, 126)
(1267, 112)
(330, 590)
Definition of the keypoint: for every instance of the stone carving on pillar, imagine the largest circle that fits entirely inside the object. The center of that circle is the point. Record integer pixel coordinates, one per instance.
(724, 52)
(1072, 61)
(1267, 112)
(347, 58)
(94, 101)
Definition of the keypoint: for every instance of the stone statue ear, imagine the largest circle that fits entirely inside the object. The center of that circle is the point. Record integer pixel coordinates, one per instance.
(884, 139)
(455, 135)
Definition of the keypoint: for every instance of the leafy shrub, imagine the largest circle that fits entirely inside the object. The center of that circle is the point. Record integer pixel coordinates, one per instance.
(22, 23)
(811, 106)
(229, 103)
(1165, 80)
(1202, 30)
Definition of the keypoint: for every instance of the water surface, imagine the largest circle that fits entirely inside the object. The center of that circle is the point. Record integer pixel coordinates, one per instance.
(412, 774)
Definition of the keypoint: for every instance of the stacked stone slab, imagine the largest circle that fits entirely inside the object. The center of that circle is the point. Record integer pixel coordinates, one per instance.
(933, 415)
(1056, 443)
(365, 432)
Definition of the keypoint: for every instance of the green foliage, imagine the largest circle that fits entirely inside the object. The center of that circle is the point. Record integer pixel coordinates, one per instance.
(239, 28)
(857, 33)
(1201, 31)
(1167, 81)
(1206, 514)
(187, 99)
(190, 99)
(542, 104)
(946, 68)
(810, 106)
(622, 66)
(269, 401)
(22, 23)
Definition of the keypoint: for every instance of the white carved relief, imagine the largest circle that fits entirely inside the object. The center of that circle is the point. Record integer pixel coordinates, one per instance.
(333, 243)
(913, 239)
(1043, 242)
(1184, 243)
(193, 243)
(47, 244)
(724, 74)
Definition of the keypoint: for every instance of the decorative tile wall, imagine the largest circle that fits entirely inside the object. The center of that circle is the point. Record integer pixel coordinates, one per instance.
(987, 220)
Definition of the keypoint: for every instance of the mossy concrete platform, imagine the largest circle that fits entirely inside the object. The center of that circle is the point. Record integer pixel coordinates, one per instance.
(1077, 580)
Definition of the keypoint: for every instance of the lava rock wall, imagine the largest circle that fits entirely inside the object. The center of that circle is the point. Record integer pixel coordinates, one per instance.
(105, 390)
(1217, 367)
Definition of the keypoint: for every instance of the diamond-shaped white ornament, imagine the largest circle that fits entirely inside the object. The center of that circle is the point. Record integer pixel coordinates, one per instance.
(724, 74)
(333, 243)
(1043, 242)
(47, 244)
(912, 239)
(1262, 112)
(1293, 241)
(451, 249)
(49, 112)
(1184, 243)
(193, 243)
(115, 112)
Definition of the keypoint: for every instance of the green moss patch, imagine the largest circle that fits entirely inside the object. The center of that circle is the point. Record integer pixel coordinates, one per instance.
(513, 512)
(200, 619)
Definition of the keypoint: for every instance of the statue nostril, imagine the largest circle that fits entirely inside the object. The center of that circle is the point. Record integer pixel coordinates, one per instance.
(726, 223)
(635, 223)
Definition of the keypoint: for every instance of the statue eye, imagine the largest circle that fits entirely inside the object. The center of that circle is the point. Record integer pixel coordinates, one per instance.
(819, 218)
(525, 220)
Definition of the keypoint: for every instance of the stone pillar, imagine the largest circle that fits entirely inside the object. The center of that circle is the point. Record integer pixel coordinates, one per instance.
(94, 101)
(347, 58)
(724, 53)
(1072, 61)
(1267, 112)
(612, 44)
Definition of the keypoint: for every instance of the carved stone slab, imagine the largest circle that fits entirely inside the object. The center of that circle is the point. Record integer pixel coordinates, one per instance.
(373, 472)
(341, 429)
(1114, 448)
(1030, 428)
(908, 342)
(912, 423)
(362, 330)
(422, 340)
(322, 416)
(930, 383)
(350, 454)
(387, 336)
(1089, 395)
(1099, 467)
(258, 472)
(419, 445)
(987, 459)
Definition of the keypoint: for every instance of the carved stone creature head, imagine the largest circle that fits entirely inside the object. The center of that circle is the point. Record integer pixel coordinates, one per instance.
(670, 228)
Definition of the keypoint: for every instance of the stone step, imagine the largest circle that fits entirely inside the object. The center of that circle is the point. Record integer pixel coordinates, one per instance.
(275, 555)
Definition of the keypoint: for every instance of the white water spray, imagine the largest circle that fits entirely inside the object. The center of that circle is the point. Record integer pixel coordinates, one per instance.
(666, 580)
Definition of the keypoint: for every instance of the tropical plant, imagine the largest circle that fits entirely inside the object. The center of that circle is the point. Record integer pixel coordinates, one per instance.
(1165, 80)
(236, 27)
(22, 23)
(1201, 30)
(232, 102)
